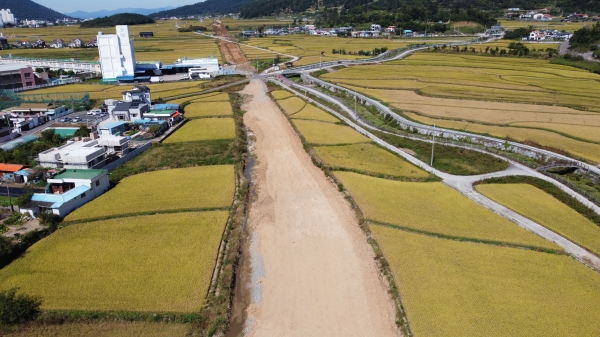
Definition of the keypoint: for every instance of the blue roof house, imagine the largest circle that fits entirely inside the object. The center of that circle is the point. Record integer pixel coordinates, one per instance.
(67, 191)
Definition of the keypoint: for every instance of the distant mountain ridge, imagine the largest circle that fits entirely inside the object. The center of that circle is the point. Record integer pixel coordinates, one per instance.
(27, 9)
(101, 14)
(206, 7)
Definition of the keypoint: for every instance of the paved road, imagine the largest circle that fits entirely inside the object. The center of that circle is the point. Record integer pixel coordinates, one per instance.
(464, 184)
(564, 47)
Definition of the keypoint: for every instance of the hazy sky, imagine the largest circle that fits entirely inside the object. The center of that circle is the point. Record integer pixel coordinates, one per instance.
(68, 6)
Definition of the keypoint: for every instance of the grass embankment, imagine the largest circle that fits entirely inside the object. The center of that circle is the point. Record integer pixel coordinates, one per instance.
(174, 267)
(484, 95)
(103, 329)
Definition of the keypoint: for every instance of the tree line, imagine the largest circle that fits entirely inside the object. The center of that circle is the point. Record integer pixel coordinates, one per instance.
(117, 19)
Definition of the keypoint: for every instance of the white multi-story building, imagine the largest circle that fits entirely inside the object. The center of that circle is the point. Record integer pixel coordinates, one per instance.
(117, 57)
(6, 16)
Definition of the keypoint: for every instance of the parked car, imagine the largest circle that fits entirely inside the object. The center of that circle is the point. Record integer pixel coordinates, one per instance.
(65, 120)
(76, 119)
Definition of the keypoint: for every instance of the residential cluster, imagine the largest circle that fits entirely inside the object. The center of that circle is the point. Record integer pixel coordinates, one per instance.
(375, 31)
(77, 170)
(548, 35)
(544, 15)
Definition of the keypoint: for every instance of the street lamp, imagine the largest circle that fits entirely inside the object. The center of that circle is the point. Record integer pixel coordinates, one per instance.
(321, 59)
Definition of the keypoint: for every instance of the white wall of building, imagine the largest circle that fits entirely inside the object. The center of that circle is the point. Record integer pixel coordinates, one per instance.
(7, 16)
(117, 57)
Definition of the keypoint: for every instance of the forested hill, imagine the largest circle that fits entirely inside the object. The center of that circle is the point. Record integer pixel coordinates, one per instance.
(206, 7)
(27, 9)
(117, 19)
(337, 12)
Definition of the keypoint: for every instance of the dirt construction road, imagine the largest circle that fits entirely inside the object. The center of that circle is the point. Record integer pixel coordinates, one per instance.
(313, 272)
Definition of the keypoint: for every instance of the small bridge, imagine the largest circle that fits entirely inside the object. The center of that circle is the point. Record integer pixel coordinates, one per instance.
(564, 164)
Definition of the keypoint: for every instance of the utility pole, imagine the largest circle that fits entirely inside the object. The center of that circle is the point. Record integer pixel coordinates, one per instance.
(321, 60)
(9, 199)
(432, 145)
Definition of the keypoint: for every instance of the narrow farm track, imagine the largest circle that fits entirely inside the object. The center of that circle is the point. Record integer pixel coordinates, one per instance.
(313, 272)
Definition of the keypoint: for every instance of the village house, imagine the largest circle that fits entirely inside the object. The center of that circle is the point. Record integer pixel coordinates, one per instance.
(58, 43)
(67, 191)
(76, 43)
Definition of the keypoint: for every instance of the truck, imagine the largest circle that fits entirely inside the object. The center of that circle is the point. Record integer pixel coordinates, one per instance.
(156, 79)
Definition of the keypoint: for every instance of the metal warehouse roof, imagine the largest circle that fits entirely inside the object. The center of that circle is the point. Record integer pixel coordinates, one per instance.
(112, 125)
(78, 174)
(10, 167)
(13, 143)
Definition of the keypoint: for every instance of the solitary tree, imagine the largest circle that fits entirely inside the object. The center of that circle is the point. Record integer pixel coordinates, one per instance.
(18, 308)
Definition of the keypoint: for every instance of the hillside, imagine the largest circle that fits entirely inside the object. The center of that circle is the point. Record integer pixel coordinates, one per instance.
(117, 19)
(101, 14)
(27, 9)
(206, 7)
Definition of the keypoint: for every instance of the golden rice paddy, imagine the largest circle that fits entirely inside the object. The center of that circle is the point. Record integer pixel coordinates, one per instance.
(451, 288)
(203, 129)
(153, 263)
(208, 109)
(433, 208)
(369, 158)
(197, 187)
(546, 210)
(323, 133)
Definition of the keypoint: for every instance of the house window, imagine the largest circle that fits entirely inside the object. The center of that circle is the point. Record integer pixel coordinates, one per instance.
(82, 195)
(27, 75)
(97, 182)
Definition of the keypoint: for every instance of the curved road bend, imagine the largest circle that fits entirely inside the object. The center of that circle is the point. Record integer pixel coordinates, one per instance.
(464, 184)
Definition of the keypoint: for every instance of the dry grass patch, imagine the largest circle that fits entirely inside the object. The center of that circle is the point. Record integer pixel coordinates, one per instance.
(368, 158)
(316, 132)
(150, 263)
(434, 208)
(203, 129)
(208, 109)
(192, 188)
(546, 210)
(452, 288)
(312, 112)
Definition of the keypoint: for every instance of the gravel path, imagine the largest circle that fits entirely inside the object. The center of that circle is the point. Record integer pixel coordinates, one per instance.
(313, 272)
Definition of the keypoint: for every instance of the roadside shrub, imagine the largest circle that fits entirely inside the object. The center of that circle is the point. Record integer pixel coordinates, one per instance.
(18, 308)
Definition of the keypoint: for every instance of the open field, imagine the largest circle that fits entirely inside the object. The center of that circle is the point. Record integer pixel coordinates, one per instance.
(310, 47)
(197, 187)
(153, 263)
(208, 109)
(433, 208)
(546, 210)
(451, 288)
(313, 113)
(503, 44)
(203, 129)
(108, 91)
(578, 148)
(368, 158)
(281, 94)
(167, 45)
(176, 155)
(523, 99)
(568, 26)
(210, 97)
(291, 105)
(316, 132)
(104, 329)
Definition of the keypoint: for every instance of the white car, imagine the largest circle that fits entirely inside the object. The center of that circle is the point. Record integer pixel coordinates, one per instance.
(94, 112)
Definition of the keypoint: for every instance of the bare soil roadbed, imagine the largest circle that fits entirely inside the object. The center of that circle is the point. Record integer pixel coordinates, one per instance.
(313, 272)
